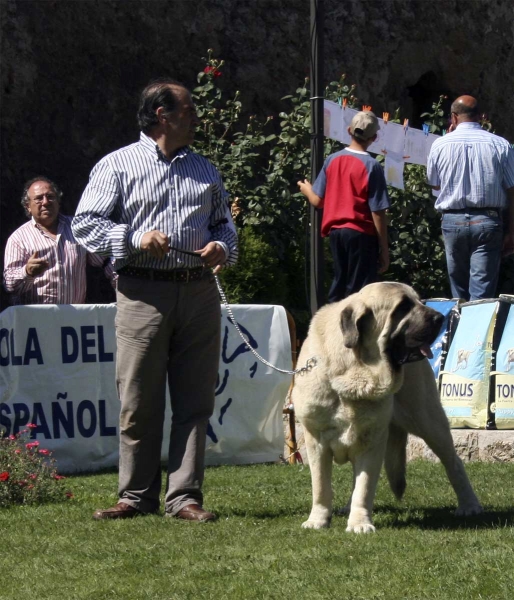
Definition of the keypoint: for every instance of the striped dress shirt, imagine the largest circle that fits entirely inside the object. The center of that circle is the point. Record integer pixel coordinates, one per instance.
(137, 189)
(64, 282)
(473, 168)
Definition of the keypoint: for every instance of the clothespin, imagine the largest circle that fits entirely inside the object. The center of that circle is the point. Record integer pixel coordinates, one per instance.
(426, 128)
(345, 102)
(405, 124)
(443, 132)
(366, 108)
(385, 117)
(339, 100)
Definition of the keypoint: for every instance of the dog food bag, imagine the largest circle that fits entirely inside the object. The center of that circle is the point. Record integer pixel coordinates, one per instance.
(464, 383)
(502, 377)
(440, 346)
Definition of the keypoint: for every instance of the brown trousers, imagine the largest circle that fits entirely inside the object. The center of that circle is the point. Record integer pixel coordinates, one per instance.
(165, 330)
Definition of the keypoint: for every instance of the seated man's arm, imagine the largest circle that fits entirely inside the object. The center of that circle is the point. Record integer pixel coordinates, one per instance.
(104, 263)
(16, 277)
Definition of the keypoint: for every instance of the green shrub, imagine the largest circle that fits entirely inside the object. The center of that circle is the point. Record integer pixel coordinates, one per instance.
(261, 162)
(259, 278)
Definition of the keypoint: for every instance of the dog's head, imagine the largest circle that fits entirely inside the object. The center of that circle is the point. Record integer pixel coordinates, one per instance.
(388, 321)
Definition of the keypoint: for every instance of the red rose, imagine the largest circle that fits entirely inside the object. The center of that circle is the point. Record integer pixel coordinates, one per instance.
(212, 71)
(4, 476)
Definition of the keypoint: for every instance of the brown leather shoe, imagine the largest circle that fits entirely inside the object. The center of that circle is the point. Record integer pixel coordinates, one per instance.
(193, 512)
(122, 510)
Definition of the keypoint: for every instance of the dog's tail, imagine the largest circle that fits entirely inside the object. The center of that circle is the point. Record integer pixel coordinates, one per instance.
(396, 460)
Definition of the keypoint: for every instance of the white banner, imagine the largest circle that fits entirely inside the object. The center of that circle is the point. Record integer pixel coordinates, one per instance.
(57, 370)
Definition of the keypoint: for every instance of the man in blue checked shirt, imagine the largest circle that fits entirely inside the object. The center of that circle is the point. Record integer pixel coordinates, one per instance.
(161, 211)
(474, 173)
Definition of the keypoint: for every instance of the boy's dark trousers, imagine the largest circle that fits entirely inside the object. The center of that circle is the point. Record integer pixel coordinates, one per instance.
(355, 256)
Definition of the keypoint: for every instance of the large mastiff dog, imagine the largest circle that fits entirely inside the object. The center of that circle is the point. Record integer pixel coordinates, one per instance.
(363, 394)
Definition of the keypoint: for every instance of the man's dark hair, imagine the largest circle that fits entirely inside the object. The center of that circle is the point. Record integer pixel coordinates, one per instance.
(159, 92)
(460, 108)
(25, 200)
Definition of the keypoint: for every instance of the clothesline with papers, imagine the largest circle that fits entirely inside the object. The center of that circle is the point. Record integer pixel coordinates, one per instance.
(398, 143)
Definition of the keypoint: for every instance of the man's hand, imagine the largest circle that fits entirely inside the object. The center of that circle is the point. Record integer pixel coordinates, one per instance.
(213, 256)
(36, 266)
(383, 262)
(508, 245)
(155, 243)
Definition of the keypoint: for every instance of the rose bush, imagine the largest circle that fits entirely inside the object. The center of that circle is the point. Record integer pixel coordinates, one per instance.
(28, 472)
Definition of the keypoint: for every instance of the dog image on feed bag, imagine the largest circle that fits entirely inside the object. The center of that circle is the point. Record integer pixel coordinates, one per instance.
(465, 380)
(368, 386)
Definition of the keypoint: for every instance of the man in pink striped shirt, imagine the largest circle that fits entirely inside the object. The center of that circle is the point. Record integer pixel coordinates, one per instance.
(43, 263)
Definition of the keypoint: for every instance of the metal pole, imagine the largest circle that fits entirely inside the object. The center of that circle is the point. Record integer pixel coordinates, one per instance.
(317, 90)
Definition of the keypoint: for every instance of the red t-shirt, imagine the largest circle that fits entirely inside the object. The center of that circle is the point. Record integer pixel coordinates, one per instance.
(352, 186)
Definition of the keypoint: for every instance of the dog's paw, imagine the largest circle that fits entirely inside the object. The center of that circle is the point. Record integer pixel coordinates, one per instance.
(468, 510)
(360, 528)
(319, 524)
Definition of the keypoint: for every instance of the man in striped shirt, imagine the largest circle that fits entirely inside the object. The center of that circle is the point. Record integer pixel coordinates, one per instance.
(473, 170)
(162, 212)
(43, 263)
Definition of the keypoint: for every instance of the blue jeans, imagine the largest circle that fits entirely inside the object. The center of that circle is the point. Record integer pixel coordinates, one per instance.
(473, 243)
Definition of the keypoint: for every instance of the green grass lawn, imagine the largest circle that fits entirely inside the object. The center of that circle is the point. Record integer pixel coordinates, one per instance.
(257, 549)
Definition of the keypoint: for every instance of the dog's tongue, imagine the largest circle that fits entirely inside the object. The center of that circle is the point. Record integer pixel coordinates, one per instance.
(426, 351)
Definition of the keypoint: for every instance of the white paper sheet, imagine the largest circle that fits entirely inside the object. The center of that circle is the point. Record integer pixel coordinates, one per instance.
(393, 168)
(333, 122)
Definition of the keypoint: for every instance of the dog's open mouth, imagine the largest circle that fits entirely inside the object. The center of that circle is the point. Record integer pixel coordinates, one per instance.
(418, 353)
(400, 354)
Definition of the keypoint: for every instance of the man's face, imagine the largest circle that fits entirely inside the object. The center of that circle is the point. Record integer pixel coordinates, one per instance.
(182, 122)
(43, 203)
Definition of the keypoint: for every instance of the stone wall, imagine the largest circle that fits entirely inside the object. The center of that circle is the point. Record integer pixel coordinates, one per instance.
(72, 69)
(470, 444)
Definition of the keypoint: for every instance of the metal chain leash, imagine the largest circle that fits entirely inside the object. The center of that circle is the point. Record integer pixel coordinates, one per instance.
(308, 365)
(311, 362)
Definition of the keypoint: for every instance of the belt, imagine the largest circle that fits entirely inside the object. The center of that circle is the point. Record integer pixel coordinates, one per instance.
(472, 211)
(179, 275)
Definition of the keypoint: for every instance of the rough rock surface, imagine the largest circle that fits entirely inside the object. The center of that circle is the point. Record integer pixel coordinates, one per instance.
(471, 445)
(72, 70)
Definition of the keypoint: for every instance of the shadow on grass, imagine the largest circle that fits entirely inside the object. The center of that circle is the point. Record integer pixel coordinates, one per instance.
(442, 518)
(264, 514)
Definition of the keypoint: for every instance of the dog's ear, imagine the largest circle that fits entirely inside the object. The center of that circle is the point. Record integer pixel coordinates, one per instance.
(353, 318)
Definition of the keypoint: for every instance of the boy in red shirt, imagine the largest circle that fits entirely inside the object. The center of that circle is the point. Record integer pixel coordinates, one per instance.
(352, 191)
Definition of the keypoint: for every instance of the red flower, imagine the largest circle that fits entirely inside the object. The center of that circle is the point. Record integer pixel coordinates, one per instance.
(212, 71)
(31, 425)
(32, 476)
(4, 476)
(58, 477)
(17, 451)
(45, 452)
(11, 437)
(69, 495)
(32, 445)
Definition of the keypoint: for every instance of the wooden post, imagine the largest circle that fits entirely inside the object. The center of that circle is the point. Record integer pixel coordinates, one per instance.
(289, 408)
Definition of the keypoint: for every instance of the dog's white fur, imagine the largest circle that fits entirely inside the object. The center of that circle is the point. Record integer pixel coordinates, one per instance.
(358, 402)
